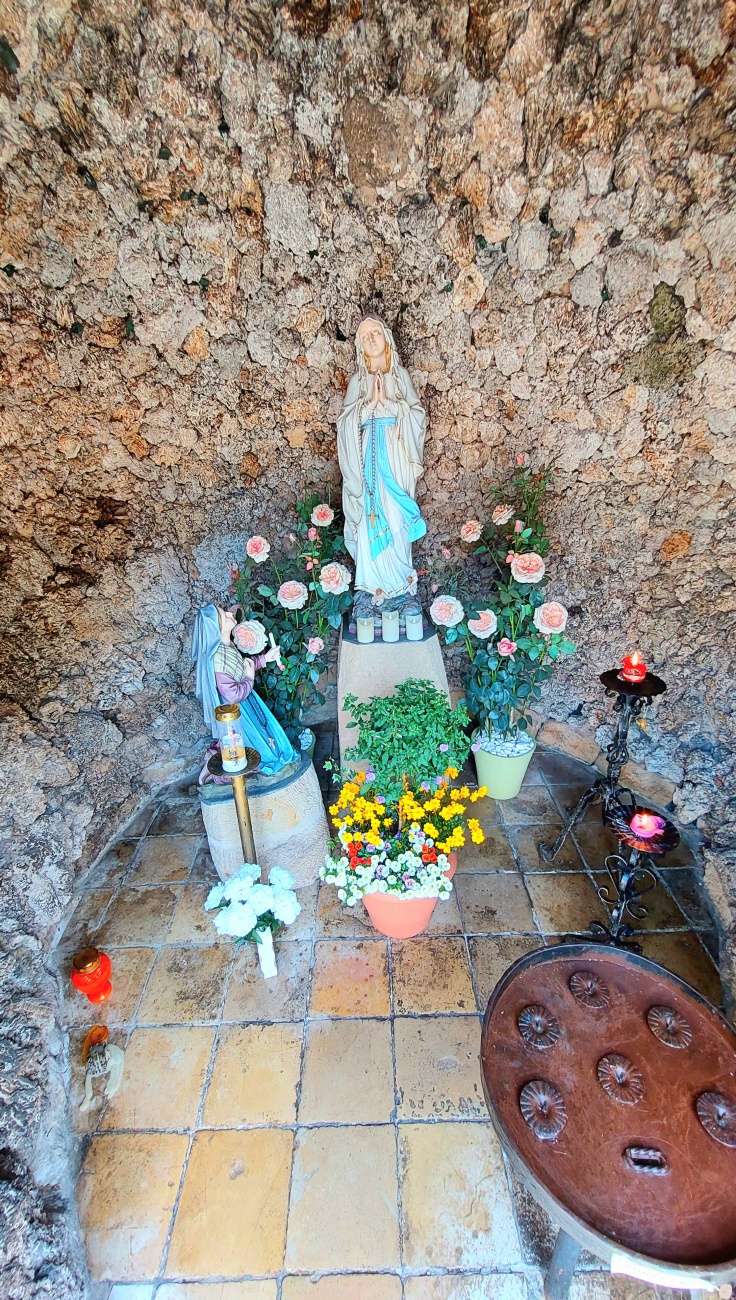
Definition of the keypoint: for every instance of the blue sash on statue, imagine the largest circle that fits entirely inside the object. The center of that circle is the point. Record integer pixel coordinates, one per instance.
(378, 471)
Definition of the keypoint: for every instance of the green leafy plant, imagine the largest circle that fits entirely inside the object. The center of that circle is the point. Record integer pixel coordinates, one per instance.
(412, 736)
(255, 587)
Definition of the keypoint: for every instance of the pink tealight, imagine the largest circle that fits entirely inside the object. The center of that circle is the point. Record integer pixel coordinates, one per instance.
(647, 825)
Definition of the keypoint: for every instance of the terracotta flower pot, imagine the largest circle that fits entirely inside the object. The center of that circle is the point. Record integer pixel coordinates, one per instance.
(398, 916)
(452, 859)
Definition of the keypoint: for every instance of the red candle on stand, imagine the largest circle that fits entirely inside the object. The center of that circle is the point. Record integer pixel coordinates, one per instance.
(647, 825)
(634, 669)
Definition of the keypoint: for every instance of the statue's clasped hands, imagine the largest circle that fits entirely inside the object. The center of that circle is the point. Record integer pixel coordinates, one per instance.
(383, 389)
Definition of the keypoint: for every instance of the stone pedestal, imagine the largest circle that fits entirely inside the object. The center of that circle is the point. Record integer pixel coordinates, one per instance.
(289, 824)
(377, 669)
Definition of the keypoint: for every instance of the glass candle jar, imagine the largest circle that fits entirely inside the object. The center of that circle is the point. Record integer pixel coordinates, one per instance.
(91, 971)
(366, 630)
(230, 736)
(414, 627)
(390, 625)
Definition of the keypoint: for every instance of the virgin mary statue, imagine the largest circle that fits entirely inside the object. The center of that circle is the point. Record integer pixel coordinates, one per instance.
(380, 445)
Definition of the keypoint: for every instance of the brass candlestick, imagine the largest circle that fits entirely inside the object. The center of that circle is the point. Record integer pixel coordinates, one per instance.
(242, 809)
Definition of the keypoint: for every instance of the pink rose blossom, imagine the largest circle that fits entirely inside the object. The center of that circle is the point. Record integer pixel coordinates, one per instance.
(470, 531)
(334, 578)
(446, 611)
(445, 552)
(528, 567)
(309, 564)
(315, 645)
(257, 548)
(250, 636)
(522, 460)
(505, 647)
(322, 515)
(511, 557)
(435, 588)
(484, 625)
(550, 618)
(312, 534)
(518, 526)
(502, 514)
(292, 595)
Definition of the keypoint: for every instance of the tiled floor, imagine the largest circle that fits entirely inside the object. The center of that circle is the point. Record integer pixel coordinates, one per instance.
(323, 1136)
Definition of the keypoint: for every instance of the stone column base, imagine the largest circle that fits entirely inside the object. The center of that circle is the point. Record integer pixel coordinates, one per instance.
(289, 825)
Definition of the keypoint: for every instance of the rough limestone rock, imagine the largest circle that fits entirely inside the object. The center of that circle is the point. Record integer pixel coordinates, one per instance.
(197, 204)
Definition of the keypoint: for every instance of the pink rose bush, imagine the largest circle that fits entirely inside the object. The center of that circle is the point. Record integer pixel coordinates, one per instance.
(322, 516)
(502, 515)
(506, 648)
(315, 645)
(484, 625)
(257, 549)
(250, 636)
(550, 618)
(292, 595)
(528, 567)
(446, 611)
(334, 578)
(471, 531)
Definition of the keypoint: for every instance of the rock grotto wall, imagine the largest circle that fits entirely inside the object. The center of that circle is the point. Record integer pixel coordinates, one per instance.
(198, 202)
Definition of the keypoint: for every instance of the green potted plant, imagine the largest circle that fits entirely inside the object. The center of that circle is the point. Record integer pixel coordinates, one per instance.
(413, 735)
(513, 636)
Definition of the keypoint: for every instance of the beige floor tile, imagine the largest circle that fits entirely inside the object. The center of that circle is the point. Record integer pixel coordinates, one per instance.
(437, 1068)
(138, 916)
(683, 955)
(499, 1286)
(355, 1286)
(565, 904)
(495, 904)
(494, 854)
(130, 967)
(343, 1210)
(492, 955)
(662, 910)
(179, 816)
(186, 984)
(304, 925)
(250, 997)
(232, 1213)
(487, 812)
(350, 978)
(255, 1076)
(111, 868)
(126, 1193)
(594, 842)
(163, 1080)
(533, 803)
(526, 841)
(472, 1221)
(85, 920)
(348, 1075)
(203, 868)
(336, 921)
(431, 975)
(263, 1290)
(130, 1291)
(165, 860)
(191, 924)
(445, 918)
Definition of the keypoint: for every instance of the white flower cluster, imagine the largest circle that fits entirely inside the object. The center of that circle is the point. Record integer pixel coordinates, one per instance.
(406, 875)
(241, 901)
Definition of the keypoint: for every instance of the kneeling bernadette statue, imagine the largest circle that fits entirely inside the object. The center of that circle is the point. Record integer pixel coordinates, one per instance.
(224, 675)
(380, 447)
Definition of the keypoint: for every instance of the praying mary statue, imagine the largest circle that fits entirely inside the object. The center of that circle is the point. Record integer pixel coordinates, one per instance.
(380, 445)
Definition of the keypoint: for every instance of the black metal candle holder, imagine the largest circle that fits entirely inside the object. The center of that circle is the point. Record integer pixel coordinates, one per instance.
(631, 873)
(631, 698)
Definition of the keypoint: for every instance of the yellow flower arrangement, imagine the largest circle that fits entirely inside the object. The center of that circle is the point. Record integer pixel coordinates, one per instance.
(440, 815)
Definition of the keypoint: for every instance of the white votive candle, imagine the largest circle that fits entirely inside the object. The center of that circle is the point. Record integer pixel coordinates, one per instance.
(390, 625)
(366, 630)
(414, 627)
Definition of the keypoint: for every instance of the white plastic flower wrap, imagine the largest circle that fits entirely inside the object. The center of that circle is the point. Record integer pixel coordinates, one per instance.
(246, 909)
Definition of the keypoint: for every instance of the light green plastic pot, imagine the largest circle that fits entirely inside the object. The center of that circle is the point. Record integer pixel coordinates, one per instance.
(502, 775)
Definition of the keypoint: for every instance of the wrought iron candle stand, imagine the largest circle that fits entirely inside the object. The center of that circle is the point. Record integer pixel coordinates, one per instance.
(631, 873)
(631, 700)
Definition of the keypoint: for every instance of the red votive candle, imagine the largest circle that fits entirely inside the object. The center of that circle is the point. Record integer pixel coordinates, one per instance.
(634, 669)
(647, 825)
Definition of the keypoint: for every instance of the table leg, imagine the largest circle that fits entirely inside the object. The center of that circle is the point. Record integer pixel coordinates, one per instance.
(561, 1267)
(244, 822)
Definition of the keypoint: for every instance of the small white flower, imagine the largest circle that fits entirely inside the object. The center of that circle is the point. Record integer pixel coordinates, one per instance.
(214, 898)
(237, 920)
(280, 878)
(261, 898)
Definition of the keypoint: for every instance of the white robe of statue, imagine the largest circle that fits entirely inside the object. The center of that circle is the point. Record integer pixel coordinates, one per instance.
(380, 445)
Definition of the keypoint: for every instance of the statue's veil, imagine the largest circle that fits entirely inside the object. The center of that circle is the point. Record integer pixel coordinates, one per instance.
(365, 378)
